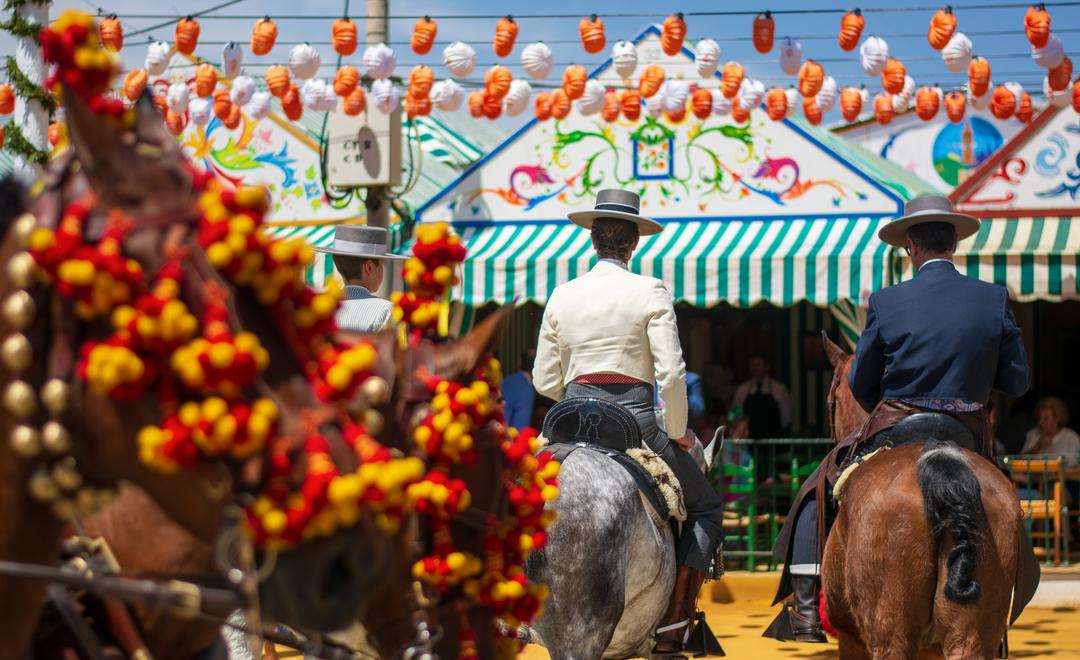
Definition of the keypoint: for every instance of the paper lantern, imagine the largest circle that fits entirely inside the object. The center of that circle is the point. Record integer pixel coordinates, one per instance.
(232, 58)
(624, 57)
(476, 104)
(811, 75)
(199, 111)
(1050, 54)
(908, 90)
(790, 56)
(893, 75)
(1003, 102)
(811, 110)
(560, 104)
(927, 102)
(776, 104)
(672, 34)
(460, 59)
(312, 93)
(379, 61)
(630, 104)
(421, 79)
(739, 114)
(592, 34)
(610, 111)
(1025, 109)
(675, 94)
(354, 102)
(573, 81)
(651, 80)
(206, 80)
(883, 108)
(177, 97)
(174, 123)
(160, 104)
(263, 36)
(851, 27)
(537, 60)
(677, 116)
(1076, 96)
(955, 106)
(304, 61)
(751, 93)
(980, 102)
(764, 28)
(721, 105)
(942, 26)
(423, 35)
(243, 88)
(851, 103)
(506, 31)
(957, 53)
(417, 106)
(732, 78)
(1037, 25)
(517, 99)
(701, 103)
(1060, 76)
(447, 95)
(826, 96)
(187, 35)
(979, 76)
(222, 104)
(291, 104)
(343, 36)
(158, 55)
(345, 80)
(2, 135)
(592, 98)
(134, 83)
(259, 105)
(873, 55)
(542, 106)
(899, 103)
(706, 57)
(277, 80)
(330, 100)
(654, 105)
(233, 119)
(794, 100)
(387, 95)
(1057, 98)
(497, 81)
(111, 32)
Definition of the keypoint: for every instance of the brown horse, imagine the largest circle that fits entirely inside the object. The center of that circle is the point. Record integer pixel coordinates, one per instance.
(923, 555)
(141, 172)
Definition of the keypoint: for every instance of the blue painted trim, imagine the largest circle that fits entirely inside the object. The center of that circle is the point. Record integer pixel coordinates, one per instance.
(638, 176)
(483, 224)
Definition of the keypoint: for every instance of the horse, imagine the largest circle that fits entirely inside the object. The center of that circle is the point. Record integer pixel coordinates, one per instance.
(926, 546)
(139, 172)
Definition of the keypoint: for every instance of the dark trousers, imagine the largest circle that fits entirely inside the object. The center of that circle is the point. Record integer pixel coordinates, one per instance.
(703, 528)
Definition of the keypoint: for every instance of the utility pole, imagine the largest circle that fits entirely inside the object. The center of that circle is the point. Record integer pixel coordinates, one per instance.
(376, 201)
(29, 116)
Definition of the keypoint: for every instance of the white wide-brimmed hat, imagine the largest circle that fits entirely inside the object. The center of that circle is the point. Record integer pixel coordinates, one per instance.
(617, 205)
(923, 209)
(360, 241)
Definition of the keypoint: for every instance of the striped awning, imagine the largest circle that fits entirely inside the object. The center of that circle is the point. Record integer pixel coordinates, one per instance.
(781, 261)
(1035, 258)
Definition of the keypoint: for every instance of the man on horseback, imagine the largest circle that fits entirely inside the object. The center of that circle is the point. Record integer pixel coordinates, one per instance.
(937, 343)
(610, 334)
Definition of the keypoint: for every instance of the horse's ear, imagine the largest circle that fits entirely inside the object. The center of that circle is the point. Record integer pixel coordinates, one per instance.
(835, 354)
(456, 360)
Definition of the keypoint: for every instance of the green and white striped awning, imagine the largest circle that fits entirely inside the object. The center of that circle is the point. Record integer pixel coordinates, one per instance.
(1035, 258)
(322, 267)
(781, 261)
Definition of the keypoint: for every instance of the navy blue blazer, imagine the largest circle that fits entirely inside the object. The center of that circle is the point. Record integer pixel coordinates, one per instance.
(940, 335)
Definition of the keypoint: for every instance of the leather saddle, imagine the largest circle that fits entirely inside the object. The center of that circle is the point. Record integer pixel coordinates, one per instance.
(924, 426)
(587, 424)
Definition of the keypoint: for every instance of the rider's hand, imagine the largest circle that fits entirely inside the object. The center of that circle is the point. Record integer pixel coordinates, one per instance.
(687, 441)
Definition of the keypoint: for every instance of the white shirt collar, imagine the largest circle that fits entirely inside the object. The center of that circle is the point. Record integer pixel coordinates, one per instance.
(615, 262)
(948, 261)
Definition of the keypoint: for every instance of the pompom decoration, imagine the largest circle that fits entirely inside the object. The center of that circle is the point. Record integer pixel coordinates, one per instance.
(706, 58)
(506, 32)
(942, 26)
(591, 29)
(232, 58)
(379, 61)
(927, 102)
(851, 27)
(955, 106)
(624, 57)
(651, 80)
(560, 104)
(883, 109)
(675, 94)
(1057, 98)
(343, 36)
(542, 106)
(790, 56)
(497, 81)
(811, 111)
(423, 36)
(763, 31)
(258, 106)
(811, 75)
(592, 98)
(751, 93)
(345, 80)
(1037, 26)
(387, 95)
(775, 104)
(721, 105)
(794, 101)
(630, 104)
(158, 55)
(460, 59)
(1025, 109)
(893, 76)
(873, 55)
(573, 81)
(733, 75)
(516, 100)
(199, 111)
(177, 97)
(851, 103)
(263, 36)
(979, 76)
(1050, 54)
(672, 34)
(1060, 76)
(187, 35)
(277, 80)
(134, 84)
(957, 53)
(243, 88)
(826, 96)
(537, 60)
(447, 95)
(304, 61)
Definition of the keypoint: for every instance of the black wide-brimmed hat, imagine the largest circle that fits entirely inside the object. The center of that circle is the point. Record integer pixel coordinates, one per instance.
(617, 205)
(923, 209)
(360, 241)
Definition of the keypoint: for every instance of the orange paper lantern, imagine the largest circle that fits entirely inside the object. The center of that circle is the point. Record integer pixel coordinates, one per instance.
(927, 103)
(1076, 96)
(560, 104)
(811, 110)
(651, 79)
(738, 114)
(205, 80)
(672, 34)
(56, 133)
(423, 35)
(1037, 25)
(417, 106)
(506, 31)
(290, 103)
(677, 116)
(353, 103)
(1060, 76)
(3, 133)
(222, 104)
(174, 123)
(111, 32)
(1003, 102)
(343, 36)
(630, 100)
(850, 103)
(573, 81)
(232, 121)
(701, 103)
(345, 80)
(955, 106)
(7, 96)
(476, 104)
(851, 27)
(733, 74)
(160, 104)
(610, 111)
(263, 36)
(776, 104)
(883, 110)
(978, 76)
(592, 34)
(1025, 111)
(942, 27)
(764, 27)
(497, 81)
(542, 106)
(421, 78)
(892, 78)
(277, 80)
(811, 77)
(187, 35)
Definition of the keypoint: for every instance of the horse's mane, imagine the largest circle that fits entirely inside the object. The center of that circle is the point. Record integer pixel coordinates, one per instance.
(12, 201)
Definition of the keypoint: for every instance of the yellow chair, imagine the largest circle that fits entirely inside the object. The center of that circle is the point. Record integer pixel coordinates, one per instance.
(1042, 498)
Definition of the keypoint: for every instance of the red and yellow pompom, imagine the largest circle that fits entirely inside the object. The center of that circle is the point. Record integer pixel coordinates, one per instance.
(158, 320)
(220, 361)
(212, 427)
(342, 369)
(82, 63)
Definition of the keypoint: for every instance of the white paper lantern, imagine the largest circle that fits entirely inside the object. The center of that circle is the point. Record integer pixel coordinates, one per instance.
(517, 99)
(199, 111)
(537, 60)
(826, 96)
(674, 93)
(304, 61)
(864, 94)
(791, 56)
(654, 105)
(259, 105)
(873, 54)
(447, 95)
(243, 87)
(1058, 99)
(1017, 89)
(980, 102)
(386, 94)
(624, 57)
(379, 61)
(794, 101)
(177, 97)
(330, 100)
(232, 57)
(721, 105)
(460, 59)
(313, 93)
(957, 53)
(750, 93)
(707, 57)
(592, 99)
(158, 55)
(899, 103)
(1050, 55)
(908, 91)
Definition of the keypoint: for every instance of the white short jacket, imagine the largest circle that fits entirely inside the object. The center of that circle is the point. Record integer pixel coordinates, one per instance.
(613, 321)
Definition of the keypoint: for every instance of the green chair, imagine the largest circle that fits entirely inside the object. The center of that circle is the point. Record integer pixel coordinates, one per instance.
(738, 485)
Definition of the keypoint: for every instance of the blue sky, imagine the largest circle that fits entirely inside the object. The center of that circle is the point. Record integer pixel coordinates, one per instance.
(996, 32)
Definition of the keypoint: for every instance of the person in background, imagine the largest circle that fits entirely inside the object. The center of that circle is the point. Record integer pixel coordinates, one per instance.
(360, 257)
(695, 400)
(1051, 437)
(518, 393)
(765, 400)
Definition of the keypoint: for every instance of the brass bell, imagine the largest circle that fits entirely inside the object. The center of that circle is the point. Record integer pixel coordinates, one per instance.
(22, 269)
(17, 353)
(66, 474)
(22, 228)
(25, 441)
(55, 395)
(64, 509)
(18, 310)
(55, 438)
(42, 487)
(376, 390)
(373, 422)
(20, 399)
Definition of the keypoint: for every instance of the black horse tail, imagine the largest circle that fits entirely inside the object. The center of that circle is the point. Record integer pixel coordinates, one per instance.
(12, 201)
(952, 499)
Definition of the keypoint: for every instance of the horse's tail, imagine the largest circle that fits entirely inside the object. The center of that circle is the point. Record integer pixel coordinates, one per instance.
(12, 201)
(952, 499)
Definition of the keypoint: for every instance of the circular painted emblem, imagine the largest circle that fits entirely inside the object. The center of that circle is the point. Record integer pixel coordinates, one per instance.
(963, 147)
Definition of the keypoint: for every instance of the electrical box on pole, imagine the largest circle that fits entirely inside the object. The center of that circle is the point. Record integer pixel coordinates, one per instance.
(364, 150)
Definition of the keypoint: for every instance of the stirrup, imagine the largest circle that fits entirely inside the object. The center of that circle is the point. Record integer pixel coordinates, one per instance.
(806, 631)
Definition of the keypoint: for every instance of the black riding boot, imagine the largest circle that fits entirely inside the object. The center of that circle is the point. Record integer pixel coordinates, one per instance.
(675, 627)
(806, 615)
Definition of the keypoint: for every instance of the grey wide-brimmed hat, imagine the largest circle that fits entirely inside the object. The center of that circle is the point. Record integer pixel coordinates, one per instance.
(360, 241)
(617, 205)
(923, 209)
